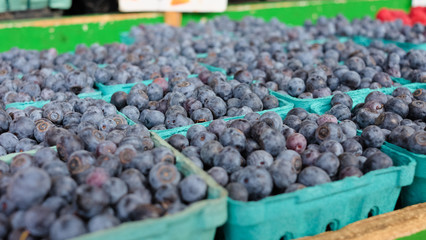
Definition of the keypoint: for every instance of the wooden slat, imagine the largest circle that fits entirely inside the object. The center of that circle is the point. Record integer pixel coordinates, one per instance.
(396, 224)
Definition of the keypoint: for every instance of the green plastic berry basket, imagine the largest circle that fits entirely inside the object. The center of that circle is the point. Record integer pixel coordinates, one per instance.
(110, 89)
(283, 107)
(365, 41)
(416, 192)
(125, 87)
(313, 210)
(307, 103)
(197, 222)
(23, 105)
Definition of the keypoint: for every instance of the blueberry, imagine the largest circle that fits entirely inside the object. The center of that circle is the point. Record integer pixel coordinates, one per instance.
(257, 181)
(329, 131)
(309, 156)
(219, 175)
(192, 188)
(377, 97)
(145, 211)
(28, 187)
(38, 220)
(233, 137)
(293, 122)
(242, 125)
(217, 106)
(127, 204)
(372, 136)
(229, 159)
(270, 102)
(244, 77)
(311, 176)
(209, 151)
(260, 158)
(151, 118)
(365, 117)
(340, 111)
(91, 138)
(398, 106)
(420, 94)
(296, 142)
(67, 226)
(115, 188)
(233, 102)
(417, 142)
(133, 178)
(167, 195)
(5, 120)
(348, 159)
(191, 151)
(253, 101)
(22, 127)
(417, 110)
(283, 173)
(383, 79)
(202, 115)
(8, 141)
(331, 146)
(377, 161)
(294, 187)
(178, 141)
(119, 99)
(102, 222)
(350, 171)
(64, 187)
(342, 98)
(325, 118)
(388, 120)
(193, 130)
(272, 141)
(54, 114)
(201, 138)
(352, 146)
(217, 127)
(106, 147)
(68, 144)
(273, 119)
(163, 173)
(163, 154)
(328, 162)
(351, 79)
(25, 144)
(295, 87)
(155, 92)
(293, 158)
(20, 162)
(80, 163)
(138, 98)
(237, 191)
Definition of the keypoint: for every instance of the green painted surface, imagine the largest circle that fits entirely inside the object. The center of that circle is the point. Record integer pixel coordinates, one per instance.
(66, 37)
(416, 236)
(295, 12)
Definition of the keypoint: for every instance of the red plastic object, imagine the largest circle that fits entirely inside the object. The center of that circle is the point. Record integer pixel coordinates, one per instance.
(416, 15)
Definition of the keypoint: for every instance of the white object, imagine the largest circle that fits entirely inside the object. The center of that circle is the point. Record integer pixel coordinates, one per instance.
(173, 5)
(418, 3)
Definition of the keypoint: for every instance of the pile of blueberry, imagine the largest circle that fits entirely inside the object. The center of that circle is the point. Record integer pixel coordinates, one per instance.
(263, 155)
(399, 118)
(312, 71)
(35, 76)
(34, 128)
(92, 183)
(367, 27)
(183, 101)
